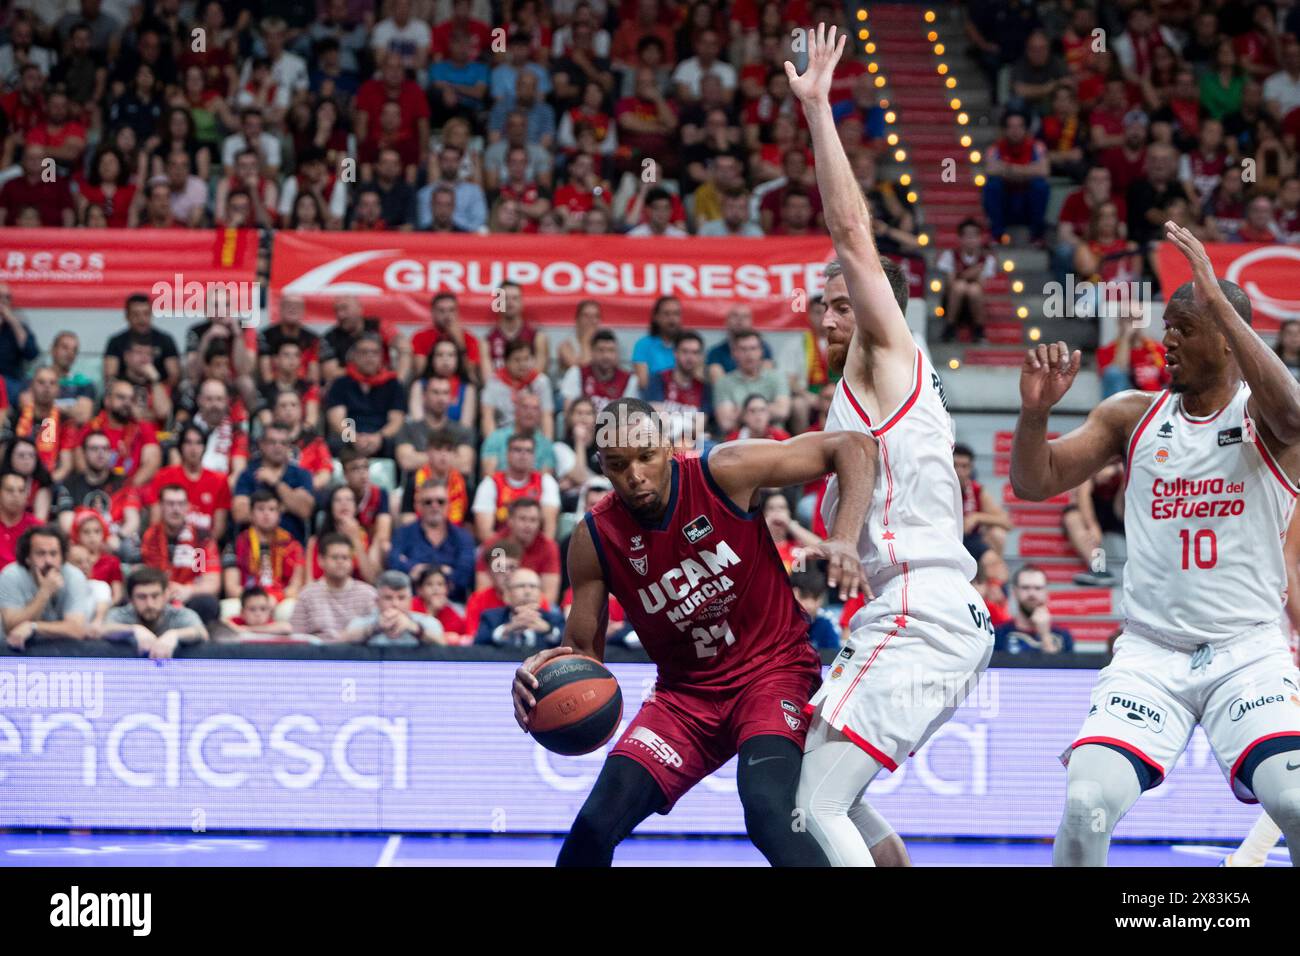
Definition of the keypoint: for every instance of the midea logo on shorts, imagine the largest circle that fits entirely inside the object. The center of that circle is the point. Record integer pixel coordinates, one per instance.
(1136, 711)
(1240, 707)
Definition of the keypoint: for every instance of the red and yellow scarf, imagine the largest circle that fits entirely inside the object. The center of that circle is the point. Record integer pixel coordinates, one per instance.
(45, 437)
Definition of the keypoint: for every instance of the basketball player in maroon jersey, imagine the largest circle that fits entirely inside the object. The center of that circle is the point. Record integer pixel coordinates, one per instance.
(682, 545)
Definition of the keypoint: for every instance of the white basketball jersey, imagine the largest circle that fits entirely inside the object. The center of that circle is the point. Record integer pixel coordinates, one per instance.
(1206, 509)
(915, 517)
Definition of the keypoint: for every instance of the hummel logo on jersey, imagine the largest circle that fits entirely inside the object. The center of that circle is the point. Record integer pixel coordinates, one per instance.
(791, 707)
(639, 564)
(637, 543)
(1230, 436)
(1166, 430)
(698, 530)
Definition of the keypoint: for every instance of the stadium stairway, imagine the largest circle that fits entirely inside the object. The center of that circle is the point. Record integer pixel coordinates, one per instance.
(1091, 614)
(943, 122)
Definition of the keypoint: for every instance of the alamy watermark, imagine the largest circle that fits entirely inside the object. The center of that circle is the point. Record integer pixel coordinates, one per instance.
(215, 299)
(1093, 300)
(22, 688)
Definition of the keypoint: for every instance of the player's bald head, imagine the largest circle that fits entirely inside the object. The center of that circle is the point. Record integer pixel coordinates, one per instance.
(628, 423)
(1184, 299)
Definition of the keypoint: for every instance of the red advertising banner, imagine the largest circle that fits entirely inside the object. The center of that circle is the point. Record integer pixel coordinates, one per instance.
(1269, 274)
(99, 268)
(396, 274)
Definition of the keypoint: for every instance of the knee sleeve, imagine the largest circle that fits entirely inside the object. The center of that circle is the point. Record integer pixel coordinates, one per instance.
(834, 776)
(768, 780)
(1100, 788)
(1278, 791)
(870, 823)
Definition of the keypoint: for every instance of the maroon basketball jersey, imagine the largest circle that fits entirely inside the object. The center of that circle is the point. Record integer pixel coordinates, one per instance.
(705, 588)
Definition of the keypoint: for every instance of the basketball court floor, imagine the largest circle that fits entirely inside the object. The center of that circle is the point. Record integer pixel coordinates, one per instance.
(151, 850)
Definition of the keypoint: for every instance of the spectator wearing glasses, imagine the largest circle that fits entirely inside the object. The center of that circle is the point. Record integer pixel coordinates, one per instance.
(522, 623)
(433, 541)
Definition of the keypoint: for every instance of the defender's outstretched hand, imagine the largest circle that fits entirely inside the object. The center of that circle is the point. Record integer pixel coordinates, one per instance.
(823, 53)
(1047, 374)
(1194, 252)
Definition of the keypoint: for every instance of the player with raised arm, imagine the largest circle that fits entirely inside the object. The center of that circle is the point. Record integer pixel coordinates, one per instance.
(1211, 466)
(681, 544)
(916, 650)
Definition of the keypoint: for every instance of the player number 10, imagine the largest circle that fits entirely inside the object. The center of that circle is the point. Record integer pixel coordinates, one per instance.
(706, 638)
(1202, 547)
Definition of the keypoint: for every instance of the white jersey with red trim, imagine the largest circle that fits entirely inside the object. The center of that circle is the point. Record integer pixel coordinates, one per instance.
(1206, 511)
(915, 517)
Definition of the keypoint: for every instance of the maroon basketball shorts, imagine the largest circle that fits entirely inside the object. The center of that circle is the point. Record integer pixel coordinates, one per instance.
(682, 736)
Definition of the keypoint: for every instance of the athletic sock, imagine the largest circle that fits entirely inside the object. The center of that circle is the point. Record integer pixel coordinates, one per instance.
(1254, 849)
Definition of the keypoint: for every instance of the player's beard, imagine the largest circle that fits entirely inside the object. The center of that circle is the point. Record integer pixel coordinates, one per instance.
(836, 356)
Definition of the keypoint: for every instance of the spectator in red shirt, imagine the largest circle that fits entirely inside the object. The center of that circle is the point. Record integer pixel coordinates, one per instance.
(433, 597)
(207, 491)
(517, 185)
(14, 516)
(1016, 189)
(308, 450)
(38, 186)
(90, 531)
(134, 449)
(538, 552)
(1133, 359)
(1105, 254)
(286, 376)
(265, 554)
(107, 185)
(1259, 48)
(479, 33)
(445, 313)
(1065, 134)
(190, 560)
(583, 189)
(367, 212)
(649, 21)
(647, 123)
(156, 210)
(756, 422)
(25, 106)
(1127, 161)
(63, 138)
(340, 517)
(391, 84)
(502, 563)
(1259, 224)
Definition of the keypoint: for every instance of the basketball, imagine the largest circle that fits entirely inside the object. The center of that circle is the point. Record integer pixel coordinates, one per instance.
(579, 705)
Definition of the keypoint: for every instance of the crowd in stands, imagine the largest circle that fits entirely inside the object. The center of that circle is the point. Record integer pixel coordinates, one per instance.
(639, 117)
(1155, 111)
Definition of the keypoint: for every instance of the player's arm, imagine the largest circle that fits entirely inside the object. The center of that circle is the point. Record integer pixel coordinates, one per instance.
(1042, 468)
(1291, 555)
(585, 627)
(848, 219)
(1274, 393)
(742, 468)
